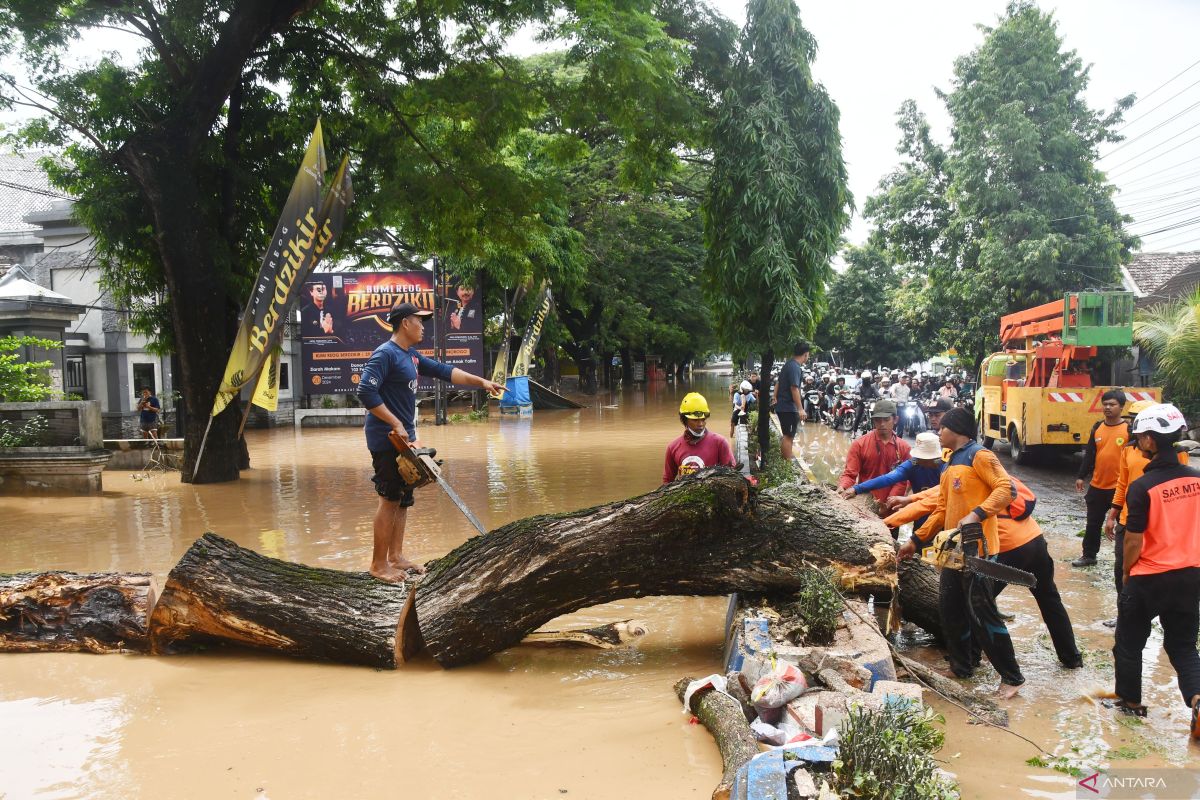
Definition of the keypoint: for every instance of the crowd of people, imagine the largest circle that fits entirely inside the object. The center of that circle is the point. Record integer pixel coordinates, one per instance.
(1139, 491)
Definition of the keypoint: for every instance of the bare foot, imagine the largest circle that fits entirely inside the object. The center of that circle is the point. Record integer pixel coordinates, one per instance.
(404, 565)
(1006, 692)
(388, 575)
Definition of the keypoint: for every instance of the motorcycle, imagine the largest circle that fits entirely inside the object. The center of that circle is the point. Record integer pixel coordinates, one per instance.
(812, 404)
(913, 417)
(845, 408)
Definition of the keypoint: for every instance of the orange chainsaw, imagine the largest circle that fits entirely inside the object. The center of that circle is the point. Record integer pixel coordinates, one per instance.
(417, 468)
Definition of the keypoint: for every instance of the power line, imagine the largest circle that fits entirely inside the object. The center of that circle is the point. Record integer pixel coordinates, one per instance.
(1160, 198)
(34, 190)
(1187, 223)
(1152, 148)
(1164, 215)
(1161, 171)
(1146, 133)
(1160, 155)
(1122, 195)
(1163, 85)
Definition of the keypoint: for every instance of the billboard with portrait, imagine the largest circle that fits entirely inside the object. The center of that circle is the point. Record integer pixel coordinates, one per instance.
(343, 318)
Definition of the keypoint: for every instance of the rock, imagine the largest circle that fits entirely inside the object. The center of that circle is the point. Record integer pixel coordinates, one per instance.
(806, 789)
(832, 708)
(815, 659)
(895, 691)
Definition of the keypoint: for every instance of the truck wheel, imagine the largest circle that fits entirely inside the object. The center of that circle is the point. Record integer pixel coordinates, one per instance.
(1021, 453)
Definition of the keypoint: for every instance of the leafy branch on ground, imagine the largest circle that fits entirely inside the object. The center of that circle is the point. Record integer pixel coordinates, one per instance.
(887, 754)
(811, 615)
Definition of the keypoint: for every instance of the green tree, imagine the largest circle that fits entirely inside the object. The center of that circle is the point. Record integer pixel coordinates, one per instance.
(862, 320)
(181, 160)
(778, 200)
(1015, 212)
(21, 380)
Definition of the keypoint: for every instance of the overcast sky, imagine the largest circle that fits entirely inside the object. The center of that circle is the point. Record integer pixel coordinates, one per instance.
(874, 54)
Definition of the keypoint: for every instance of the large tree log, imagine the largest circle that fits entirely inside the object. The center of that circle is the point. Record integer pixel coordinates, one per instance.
(708, 534)
(100, 612)
(220, 592)
(919, 595)
(724, 719)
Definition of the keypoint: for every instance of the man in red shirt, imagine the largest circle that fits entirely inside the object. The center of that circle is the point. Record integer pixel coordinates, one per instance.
(877, 453)
(698, 447)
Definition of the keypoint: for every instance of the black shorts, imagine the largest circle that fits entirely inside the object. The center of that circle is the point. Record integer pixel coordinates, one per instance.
(789, 421)
(387, 478)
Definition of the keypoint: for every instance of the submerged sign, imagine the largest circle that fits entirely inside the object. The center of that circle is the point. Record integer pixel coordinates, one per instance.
(343, 318)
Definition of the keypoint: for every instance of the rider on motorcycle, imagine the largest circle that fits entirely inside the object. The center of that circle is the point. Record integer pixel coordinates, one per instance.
(866, 393)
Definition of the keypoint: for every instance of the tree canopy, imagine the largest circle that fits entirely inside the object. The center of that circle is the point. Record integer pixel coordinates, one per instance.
(1014, 212)
(181, 159)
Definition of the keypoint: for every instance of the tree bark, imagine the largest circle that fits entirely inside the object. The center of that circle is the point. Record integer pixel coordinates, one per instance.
(222, 593)
(707, 534)
(919, 596)
(725, 721)
(60, 612)
(764, 405)
(601, 637)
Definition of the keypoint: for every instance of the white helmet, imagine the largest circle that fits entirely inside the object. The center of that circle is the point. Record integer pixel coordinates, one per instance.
(1161, 418)
(885, 380)
(746, 388)
(866, 373)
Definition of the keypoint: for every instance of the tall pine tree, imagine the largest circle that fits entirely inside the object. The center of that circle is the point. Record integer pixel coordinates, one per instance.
(778, 200)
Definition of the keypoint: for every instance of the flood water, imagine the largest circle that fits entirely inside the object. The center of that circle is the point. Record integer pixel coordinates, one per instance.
(526, 723)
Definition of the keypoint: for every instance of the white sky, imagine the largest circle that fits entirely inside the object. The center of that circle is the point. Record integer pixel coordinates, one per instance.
(874, 54)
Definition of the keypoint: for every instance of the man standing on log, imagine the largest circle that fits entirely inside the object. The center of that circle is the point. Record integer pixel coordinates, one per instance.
(973, 490)
(388, 390)
(697, 447)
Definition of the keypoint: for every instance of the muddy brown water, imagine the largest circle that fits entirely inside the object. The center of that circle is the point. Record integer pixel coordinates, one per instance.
(526, 723)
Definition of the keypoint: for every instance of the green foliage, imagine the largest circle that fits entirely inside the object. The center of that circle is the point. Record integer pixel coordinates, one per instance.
(24, 381)
(888, 755)
(1170, 333)
(778, 200)
(1015, 212)
(31, 434)
(1061, 764)
(864, 320)
(818, 606)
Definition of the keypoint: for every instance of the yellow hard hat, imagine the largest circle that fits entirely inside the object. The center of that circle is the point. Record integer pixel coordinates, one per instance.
(694, 405)
(1133, 409)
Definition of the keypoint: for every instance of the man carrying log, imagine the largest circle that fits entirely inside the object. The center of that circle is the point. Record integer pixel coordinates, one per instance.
(388, 390)
(973, 490)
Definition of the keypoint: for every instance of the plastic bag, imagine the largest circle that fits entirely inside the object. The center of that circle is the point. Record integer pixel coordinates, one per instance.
(782, 683)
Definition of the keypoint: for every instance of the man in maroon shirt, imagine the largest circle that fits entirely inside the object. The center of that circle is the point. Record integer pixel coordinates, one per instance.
(698, 447)
(877, 453)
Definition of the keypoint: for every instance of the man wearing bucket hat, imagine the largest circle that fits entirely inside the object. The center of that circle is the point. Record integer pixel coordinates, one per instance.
(1161, 564)
(388, 390)
(922, 471)
(697, 447)
(876, 453)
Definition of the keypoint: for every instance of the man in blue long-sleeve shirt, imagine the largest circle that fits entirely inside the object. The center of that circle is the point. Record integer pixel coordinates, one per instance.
(922, 470)
(388, 390)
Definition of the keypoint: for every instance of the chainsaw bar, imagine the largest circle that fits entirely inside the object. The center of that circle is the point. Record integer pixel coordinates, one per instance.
(1001, 572)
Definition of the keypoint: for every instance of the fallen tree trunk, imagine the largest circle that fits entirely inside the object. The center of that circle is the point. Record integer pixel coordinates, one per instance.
(708, 534)
(60, 612)
(222, 593)
(724, 719)
(919, 595)
(601, 637)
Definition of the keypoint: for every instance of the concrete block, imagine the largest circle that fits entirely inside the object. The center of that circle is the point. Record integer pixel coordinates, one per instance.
(896, 691)
(806, 788)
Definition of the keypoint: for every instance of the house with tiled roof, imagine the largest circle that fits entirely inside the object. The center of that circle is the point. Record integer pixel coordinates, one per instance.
(1158, 277)
(24, 190)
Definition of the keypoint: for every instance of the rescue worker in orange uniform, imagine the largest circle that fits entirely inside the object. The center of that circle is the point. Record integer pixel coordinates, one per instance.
(1023, 546)
(1161, 564)
(974, 489)
(1101, 459)
(1132, 466)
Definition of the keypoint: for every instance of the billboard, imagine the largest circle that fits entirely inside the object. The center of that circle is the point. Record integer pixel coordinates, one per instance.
(343, 319)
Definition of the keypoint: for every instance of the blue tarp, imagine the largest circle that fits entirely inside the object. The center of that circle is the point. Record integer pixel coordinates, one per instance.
(516, 395)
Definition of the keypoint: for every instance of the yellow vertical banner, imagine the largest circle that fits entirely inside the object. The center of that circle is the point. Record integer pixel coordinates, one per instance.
(266, 391)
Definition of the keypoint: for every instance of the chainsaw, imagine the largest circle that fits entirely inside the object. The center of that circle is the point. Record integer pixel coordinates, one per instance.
(418, 468)
(946, 553)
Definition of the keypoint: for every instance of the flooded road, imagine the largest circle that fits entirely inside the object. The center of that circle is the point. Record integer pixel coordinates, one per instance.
(526, 723)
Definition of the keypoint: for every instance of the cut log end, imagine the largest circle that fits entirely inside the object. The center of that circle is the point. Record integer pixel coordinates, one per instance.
(602, 637)
(103, 612)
